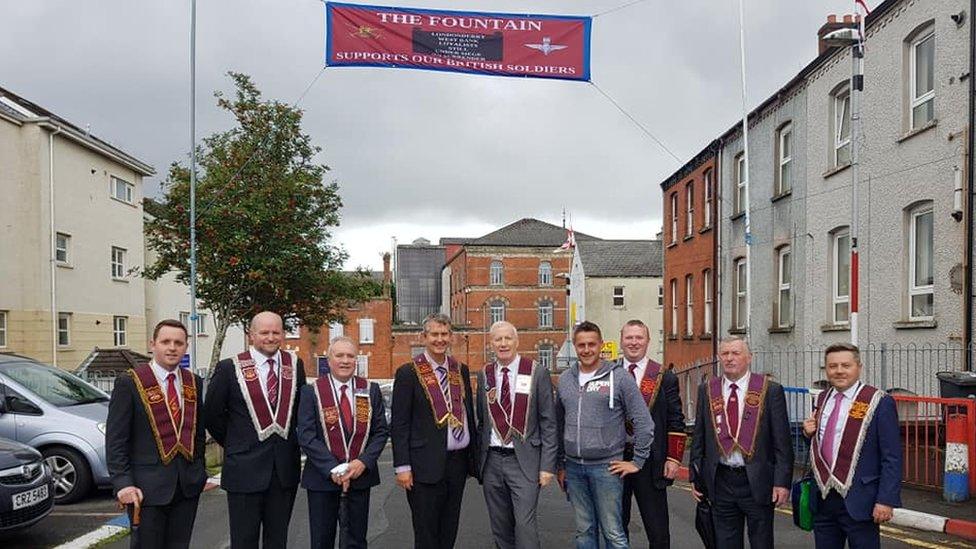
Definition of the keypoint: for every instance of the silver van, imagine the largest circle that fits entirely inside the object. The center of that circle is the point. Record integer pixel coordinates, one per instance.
(60, 415)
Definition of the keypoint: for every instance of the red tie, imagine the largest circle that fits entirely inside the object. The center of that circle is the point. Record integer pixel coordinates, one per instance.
(272, 385)
(345, 409)
(732, 410)
(173, 401)
(506, 394)
(633, 371)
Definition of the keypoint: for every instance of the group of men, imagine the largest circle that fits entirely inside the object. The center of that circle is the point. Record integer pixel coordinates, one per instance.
(609, 433)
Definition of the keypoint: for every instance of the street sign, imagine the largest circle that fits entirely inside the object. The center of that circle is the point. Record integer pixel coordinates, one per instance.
(185, 361)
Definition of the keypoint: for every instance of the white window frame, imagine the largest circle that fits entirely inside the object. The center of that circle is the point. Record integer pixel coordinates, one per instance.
(690, 209)
(496, 273)
(118, 263)
(545, 356)
(618, 292)
(62, 247)
(201, 322)
(3, 329)
(689, 305)
(545, 273)
(366, 331)
(741, 316)
(119, 325)
(362, 365)
(128, 194)
(293, 330)
(842, 112)
(660, 296)
(496, 311)
(835, 298)
(914, 289)
(674, 307)
(674, 217)
(785, 162)
(546, 309)
(709, 176)
(66, 331)
(707, 295)
(918, 100)
(336, 329)
(741, 183)
(784, 287)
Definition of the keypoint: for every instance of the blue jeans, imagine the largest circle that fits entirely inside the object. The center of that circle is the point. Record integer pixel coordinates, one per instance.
(597, 498)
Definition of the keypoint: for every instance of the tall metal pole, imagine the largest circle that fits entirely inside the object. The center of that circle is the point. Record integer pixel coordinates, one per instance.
(745, 169)
(193, 187)
(857, 86)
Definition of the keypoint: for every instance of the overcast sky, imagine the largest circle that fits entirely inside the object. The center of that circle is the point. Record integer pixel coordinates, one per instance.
(420, 153)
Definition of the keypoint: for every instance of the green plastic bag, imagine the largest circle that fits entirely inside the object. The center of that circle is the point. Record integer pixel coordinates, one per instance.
(804, 496)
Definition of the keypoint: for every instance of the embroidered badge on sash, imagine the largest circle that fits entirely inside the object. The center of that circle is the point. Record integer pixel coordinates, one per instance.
(171, 439)
(856, 426)
(265, 423)
(446, 412)
(506, 426)
(344, 446)
(745, 439)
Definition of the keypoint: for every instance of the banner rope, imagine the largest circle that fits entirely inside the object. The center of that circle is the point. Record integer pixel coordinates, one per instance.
(637, 123)
(618, 8)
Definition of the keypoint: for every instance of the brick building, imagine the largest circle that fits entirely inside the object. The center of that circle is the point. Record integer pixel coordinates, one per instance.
(690, 251)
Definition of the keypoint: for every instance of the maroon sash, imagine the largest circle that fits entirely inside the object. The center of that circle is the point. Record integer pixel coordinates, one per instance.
(332, 426)
(745, 439)
(852, 438)
(444, 412)
(651, 382)
(257, 403)
(171, 439)
(503, 425)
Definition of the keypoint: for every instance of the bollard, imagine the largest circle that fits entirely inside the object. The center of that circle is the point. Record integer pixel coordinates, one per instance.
(955, 485)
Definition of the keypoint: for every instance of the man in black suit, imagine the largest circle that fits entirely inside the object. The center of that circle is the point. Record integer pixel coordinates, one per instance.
(742, 448)
(154, 441)
(434, 436)
(659, 387)
(252, 403)
(341, 425)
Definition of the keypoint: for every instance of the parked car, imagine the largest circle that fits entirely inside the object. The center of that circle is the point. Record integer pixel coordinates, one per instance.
(26, 486)
(60, 415)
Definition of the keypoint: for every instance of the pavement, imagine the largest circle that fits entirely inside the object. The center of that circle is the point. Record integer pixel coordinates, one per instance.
(66, 522)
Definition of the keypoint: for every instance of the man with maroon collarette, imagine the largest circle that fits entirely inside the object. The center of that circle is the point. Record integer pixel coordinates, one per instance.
(742, 449)
(855, 455)
(517, 420)
(435, 442)
(252, 403)
(154, 441)
(659, 387)
(342, 430)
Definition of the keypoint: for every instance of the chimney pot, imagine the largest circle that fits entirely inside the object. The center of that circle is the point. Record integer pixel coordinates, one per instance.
(831, 18)
(848, 18)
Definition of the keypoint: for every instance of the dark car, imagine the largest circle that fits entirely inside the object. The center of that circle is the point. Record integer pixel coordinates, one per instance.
(26, 486)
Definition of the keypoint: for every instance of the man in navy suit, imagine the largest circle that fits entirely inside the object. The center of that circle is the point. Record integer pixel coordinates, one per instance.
(855, 453)
(342, 429)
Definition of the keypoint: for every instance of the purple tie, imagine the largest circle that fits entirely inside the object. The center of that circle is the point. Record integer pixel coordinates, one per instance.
(456, 432)
(633, 371)
(506, 395)
(827, 450)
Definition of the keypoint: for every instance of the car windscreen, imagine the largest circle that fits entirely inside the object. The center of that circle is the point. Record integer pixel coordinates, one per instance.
(54, 386)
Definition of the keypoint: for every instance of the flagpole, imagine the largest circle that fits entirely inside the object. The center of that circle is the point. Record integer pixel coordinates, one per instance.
(745, 168)
(193, 187)
(857, 86)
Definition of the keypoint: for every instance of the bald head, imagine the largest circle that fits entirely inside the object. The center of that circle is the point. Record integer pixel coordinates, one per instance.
(267, 332)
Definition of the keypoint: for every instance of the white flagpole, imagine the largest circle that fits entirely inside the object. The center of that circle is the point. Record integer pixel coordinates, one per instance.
(745, 169)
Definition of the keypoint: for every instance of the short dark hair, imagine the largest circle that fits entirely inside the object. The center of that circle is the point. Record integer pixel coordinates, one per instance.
(586, 326)
(636, 322)
(842, 347)
(170, 323)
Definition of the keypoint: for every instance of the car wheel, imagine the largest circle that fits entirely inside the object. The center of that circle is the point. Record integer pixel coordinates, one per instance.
(72, 477)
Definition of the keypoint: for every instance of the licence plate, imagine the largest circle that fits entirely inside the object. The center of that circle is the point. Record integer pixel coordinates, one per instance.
(30, 497)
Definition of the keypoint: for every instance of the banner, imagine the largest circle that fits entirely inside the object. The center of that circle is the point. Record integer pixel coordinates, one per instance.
(539, 46)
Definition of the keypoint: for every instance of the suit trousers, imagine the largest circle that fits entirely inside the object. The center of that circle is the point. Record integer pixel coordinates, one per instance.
(436, 507)
(653, 504)
(512, 501)
(733, 505)
(261, 516)
(166, 526)
(323, 518)
(832, 526)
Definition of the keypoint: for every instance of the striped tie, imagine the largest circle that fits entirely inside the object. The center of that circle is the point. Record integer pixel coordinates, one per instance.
(272, 385)
(456, 432)
(173, 401)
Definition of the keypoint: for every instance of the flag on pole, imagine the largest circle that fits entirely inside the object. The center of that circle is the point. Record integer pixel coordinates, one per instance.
(570, 241)
(863, 5)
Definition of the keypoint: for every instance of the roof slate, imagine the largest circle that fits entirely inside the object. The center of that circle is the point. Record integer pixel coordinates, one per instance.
(621, 258)
(528, 232)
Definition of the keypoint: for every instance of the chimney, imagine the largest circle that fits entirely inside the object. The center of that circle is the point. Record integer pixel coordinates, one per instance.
(387, 277)
(832, 24)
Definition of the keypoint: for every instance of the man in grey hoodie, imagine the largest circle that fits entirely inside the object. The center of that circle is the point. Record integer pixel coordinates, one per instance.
(597, 405)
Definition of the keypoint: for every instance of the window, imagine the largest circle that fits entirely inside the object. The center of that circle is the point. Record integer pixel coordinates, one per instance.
(784, 177)
(417, 350)
(920, 278)
(923, 80)
(674, 217)
(118, 330)
(335, 330)
(62, 242)
(64, 329)
(660, 297)
(496, 311)
(707, 222)
(740, 312)
(690, 209)
(118, 263)
(121, 189)
(741, 181)
(293, 330)
(202, 323)
(841, 276)
(545, 357)
(842, 127)
(674, 308)
(707, 292)
(784, 297)
(545, 314)
(362, 365)
(545, 274)
(366, 330)
(495, 273)
(618, 296)
(660, 340)
(689, 308)
(3, 329)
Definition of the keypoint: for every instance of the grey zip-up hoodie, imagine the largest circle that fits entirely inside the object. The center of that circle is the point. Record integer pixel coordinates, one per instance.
(591, 419)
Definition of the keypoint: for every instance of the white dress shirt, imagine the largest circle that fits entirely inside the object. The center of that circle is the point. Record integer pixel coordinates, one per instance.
(735, 459)
(512, 376)
(639, 372)
(161, 377)
(845, 408)
(261, 364)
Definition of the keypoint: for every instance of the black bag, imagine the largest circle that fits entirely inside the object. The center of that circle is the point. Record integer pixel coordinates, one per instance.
(703, 515)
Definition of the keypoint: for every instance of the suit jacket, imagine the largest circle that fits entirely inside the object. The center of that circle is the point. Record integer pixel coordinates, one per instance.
(248, 462)
(877, 478)
(133, 457)
(537, 450)
(772, 459)
(668, 418)
(320, 461)
(417, 441)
